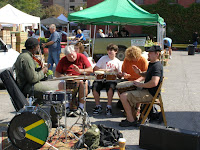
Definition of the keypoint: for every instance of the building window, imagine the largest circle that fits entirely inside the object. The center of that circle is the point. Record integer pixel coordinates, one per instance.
(197, 1)
(72, 0)
(45, 1)
(139, 2)
(173, 1)
(72, 8)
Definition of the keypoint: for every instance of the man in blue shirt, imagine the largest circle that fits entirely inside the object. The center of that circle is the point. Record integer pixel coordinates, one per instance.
(168, 44)
(54, 46)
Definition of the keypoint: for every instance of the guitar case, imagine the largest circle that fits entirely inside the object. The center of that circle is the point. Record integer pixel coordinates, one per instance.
(17, 97)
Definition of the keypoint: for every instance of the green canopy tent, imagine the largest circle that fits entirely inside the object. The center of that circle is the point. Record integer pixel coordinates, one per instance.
(117, 12)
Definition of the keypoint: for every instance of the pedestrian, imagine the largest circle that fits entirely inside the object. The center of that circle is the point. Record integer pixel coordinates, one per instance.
(195, 38)
(168, 45)
(54, 46)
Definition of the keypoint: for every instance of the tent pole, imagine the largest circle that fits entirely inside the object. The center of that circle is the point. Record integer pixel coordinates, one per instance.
(93, 41)
(89, 40)
(68, 34)
(40, 29)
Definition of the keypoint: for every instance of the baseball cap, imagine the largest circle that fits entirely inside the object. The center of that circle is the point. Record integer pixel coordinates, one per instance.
(69, 49)
(30, 42)
(154, 48)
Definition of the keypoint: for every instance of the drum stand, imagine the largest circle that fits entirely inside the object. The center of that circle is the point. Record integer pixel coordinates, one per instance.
(61, 128)
(85, 117)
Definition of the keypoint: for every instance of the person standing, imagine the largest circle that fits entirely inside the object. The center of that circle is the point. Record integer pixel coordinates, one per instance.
(54, 46)
(195, 38)
(168, 44)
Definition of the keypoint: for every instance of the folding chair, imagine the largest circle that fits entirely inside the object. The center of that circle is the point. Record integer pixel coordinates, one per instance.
(156, 100)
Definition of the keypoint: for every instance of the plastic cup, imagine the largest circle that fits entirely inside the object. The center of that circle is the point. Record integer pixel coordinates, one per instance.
(122, 143)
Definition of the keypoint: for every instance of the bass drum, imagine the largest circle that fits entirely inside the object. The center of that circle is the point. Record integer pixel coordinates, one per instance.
(30, 129)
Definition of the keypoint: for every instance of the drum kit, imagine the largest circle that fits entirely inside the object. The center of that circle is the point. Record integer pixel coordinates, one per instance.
(31, 127)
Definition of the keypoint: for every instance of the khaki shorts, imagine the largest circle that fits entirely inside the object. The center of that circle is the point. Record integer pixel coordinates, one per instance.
(138, 96)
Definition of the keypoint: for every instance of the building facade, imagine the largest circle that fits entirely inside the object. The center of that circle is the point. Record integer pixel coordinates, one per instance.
(185, 3)
(69, 5)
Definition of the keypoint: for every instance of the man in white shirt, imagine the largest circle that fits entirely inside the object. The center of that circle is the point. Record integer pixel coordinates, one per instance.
(106, 63)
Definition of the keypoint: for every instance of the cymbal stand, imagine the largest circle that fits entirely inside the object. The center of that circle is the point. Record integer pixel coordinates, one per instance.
(59, 128)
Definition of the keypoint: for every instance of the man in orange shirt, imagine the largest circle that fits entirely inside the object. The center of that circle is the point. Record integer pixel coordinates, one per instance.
(133, 57)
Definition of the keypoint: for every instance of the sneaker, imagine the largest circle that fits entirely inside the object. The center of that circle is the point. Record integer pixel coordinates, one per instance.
(97, 110)
(170, 57)
(108, 111)
(126, 123)
(79, 111)
(69, 113)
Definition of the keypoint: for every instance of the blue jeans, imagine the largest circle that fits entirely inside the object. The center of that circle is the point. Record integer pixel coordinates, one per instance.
(54, 57)
(195, 43)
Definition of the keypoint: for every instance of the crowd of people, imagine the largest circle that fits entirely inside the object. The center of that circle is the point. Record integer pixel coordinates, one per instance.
(135, 68)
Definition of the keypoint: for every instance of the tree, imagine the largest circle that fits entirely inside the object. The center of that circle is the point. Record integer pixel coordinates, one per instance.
(54, 10)
(32, 7)
(77, 8)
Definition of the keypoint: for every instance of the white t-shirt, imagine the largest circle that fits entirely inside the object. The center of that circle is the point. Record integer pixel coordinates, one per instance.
(106, 63)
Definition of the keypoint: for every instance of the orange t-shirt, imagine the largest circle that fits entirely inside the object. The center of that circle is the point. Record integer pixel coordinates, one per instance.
(142, 64)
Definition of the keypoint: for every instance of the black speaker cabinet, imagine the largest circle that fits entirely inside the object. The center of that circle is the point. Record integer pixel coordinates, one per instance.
(157, 137)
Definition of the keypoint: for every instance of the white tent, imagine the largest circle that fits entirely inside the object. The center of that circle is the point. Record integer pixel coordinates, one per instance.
(11, 15)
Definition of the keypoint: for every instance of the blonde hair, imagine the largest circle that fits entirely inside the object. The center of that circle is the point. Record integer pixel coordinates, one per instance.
(80, 46)
(133, 52)
(79, 31)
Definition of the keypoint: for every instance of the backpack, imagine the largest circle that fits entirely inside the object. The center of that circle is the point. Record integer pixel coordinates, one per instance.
(91, 138)
(109, 136)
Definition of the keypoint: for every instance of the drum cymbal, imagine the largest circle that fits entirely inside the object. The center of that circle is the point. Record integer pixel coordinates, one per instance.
(85, 78)
(63, 78)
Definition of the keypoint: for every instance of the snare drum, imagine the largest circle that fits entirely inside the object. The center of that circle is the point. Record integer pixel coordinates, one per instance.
(99, 75)
(30, 129)
(111, 75)
(54, 96)
(125, 86)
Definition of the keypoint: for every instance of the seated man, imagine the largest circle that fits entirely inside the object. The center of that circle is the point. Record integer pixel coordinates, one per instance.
(153, 77)
(29, 75)
(74, 64)
(106, 63)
